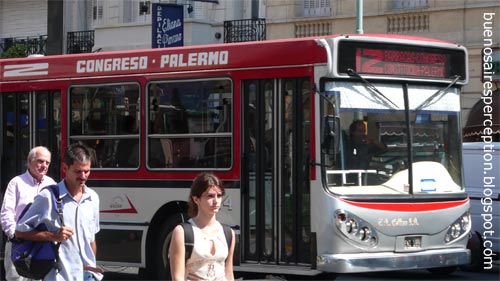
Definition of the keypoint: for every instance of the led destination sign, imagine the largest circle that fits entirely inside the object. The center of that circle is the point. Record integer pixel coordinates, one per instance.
(400, 60)
(401, 63)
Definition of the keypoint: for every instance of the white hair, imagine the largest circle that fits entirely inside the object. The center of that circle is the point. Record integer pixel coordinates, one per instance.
(34, 150)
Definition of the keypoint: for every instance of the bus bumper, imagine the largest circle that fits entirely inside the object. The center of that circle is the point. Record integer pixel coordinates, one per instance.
(367, 262)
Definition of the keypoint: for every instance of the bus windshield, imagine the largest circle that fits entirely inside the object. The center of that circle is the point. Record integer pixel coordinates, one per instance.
(379, 137)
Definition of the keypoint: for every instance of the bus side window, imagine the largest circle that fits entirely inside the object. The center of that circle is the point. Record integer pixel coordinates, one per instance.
(190, 124)
(105, 117)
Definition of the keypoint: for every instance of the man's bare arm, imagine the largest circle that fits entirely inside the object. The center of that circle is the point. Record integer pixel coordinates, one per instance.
(63, 234)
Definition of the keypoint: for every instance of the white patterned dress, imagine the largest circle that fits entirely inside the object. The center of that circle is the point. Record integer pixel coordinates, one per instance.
(202, 265)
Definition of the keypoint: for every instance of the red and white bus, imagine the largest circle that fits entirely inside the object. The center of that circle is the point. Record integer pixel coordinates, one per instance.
(272, 120)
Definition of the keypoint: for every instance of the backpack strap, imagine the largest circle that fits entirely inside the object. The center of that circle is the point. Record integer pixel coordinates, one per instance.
(229, 235)
(188, 239)
(54, 189)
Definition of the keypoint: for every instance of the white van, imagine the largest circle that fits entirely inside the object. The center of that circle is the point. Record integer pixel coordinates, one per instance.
(481, 163)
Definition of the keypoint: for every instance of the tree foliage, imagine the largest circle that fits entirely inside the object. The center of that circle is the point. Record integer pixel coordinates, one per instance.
(16, 51)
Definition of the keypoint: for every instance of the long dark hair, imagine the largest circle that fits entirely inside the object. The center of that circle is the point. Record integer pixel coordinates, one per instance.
(201, 183)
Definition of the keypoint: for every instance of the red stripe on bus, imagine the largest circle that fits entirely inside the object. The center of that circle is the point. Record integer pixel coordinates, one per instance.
(408, 207)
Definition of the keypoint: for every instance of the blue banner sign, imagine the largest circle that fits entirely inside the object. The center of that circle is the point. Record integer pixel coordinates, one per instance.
(167, 22)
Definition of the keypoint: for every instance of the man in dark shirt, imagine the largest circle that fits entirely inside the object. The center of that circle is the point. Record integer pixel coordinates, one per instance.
(361, 148)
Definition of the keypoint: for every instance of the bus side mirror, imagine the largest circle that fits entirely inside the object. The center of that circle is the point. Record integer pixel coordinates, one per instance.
(331, 136)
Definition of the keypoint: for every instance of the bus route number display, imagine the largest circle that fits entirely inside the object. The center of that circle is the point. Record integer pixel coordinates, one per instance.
(400, 63)
(395, 60)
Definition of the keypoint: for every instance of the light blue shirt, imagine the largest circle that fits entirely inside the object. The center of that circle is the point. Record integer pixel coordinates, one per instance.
(82, 217)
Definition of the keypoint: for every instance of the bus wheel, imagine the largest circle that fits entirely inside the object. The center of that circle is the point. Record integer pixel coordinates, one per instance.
(475, 245)
(442, 270)
(160, 248)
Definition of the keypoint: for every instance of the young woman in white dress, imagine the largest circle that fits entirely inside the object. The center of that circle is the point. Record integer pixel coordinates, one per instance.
(211, 258)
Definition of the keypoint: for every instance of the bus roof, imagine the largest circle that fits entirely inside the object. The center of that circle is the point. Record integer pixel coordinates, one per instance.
(262, 54)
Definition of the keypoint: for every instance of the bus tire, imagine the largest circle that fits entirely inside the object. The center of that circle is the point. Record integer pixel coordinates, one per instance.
(160, 251)
(475, 245)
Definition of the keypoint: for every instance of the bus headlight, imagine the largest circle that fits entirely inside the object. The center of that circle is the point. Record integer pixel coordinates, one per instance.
(352, 226)
(455, 230)
(365, 233)
(355, 229)
(465, 222)
(458, 228)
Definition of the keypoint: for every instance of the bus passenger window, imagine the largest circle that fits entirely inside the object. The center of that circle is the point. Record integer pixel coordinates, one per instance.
(106, 118)
(190, 124)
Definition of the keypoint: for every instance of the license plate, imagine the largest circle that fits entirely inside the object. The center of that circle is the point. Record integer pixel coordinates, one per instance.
(413, 242)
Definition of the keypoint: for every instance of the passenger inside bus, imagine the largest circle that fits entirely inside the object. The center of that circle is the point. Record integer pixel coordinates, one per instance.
(92, 146)
(161, 149)
(170, 117)
(127, 154)
(360, 147)
(176, 115)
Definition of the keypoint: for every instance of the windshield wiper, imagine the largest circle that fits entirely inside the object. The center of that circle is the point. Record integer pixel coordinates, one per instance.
(440, 93)
(370, 87)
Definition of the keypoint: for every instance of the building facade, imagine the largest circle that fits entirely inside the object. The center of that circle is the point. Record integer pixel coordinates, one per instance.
(126, 24)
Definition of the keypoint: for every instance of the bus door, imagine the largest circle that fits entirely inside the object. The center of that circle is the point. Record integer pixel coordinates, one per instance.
(275, 144)
(28, 119)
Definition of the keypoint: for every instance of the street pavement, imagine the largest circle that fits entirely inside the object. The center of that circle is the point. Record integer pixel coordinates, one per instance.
(131, 274)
